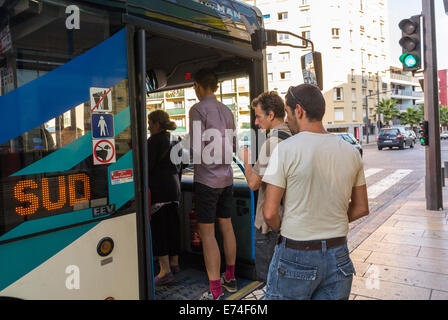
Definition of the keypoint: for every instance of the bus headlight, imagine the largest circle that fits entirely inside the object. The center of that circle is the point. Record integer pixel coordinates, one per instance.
(105, 247)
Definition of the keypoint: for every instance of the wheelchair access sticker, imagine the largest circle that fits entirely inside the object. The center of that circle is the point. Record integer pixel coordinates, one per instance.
(103, 151)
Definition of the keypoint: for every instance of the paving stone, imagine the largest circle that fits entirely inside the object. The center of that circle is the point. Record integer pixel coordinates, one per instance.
(439, 295)
(364, 298)
(410, 277)
(359, 255)
(413, 263)
(399, 249)
(420, 212)
(436, 234)
(416, 241)
(360, 268)
(419, 225)
(425, 220)
(385, 290)
(402, 231)
(433, 253)
(352, 297)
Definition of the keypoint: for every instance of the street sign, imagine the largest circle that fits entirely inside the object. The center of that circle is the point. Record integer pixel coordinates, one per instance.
(101, 99)
(103, 151)
(102, 125)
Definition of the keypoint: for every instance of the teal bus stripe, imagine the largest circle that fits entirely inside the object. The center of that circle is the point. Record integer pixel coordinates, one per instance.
(70, 155)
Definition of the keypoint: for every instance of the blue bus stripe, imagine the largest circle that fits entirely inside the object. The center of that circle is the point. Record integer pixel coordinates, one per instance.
(64, 88)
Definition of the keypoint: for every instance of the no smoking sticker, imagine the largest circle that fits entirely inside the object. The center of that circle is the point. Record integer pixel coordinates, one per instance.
(103, 151)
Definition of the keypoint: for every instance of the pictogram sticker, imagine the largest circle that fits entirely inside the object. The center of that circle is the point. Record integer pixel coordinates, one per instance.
(101, 99)
(102, 125)
(103, 151)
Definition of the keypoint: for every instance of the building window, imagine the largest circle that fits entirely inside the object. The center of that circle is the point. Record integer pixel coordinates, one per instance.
(338, 94)
(284, 56)
(338, 114)
(270, 77)
(305, 2)
(335, 33)
(354, 114)
(178, 104)
(306, 35)
(353, 94)
(285, 75)
(282, 16)
(283, 36)
(353, 75)
(267, 18)
(269, 57)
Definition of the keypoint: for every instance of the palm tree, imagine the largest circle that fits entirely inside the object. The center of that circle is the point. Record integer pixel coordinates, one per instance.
(444, 116)
(411, 117)
(388, 108)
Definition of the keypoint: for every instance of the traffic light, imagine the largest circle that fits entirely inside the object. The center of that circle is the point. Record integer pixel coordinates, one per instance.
(411, 43)
(424, 134)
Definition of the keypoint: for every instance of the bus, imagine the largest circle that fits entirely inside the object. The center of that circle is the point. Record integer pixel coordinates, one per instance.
(74, 196)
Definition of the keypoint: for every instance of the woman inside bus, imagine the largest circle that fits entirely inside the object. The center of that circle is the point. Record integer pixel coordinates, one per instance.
(165, 196)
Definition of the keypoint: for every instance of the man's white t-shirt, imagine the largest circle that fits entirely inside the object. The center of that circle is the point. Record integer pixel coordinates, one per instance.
(318, 172)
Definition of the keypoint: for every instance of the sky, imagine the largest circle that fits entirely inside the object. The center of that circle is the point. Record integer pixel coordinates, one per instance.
(402, 9)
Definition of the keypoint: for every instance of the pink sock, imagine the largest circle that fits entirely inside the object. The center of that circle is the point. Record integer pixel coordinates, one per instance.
(215, 288)
(230, 272)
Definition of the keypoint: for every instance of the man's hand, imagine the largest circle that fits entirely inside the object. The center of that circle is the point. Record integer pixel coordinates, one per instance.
(244, 155)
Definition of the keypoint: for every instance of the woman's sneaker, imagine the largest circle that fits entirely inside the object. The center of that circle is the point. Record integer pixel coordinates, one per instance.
(208, 295)
(229, 285)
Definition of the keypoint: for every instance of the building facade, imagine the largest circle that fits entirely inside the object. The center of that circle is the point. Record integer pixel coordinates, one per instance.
(443, 87)
(352, 36)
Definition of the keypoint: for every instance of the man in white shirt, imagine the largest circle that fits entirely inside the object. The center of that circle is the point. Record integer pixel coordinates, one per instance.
(322, 180)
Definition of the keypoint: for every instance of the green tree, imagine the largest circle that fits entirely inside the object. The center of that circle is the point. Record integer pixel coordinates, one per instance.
(411, 117)
(444, 116)
(388, 109)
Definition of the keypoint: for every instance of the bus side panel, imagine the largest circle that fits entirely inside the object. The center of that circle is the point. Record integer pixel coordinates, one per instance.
(77, 271)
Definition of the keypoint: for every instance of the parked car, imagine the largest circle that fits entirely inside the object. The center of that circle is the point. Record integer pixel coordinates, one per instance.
(394, 137)
(444, 135)
(350, 139)
(411, 133)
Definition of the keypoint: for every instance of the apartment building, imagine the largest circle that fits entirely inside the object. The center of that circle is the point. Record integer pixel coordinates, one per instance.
(443, 87)
(405, 89)
(352, 36)
(177, 103)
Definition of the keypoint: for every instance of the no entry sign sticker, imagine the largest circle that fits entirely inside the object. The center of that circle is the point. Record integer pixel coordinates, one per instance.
(122, 176)
(103, 151)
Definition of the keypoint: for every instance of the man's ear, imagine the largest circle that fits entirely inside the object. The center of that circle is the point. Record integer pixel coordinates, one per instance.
(300, 111)
(271, 115)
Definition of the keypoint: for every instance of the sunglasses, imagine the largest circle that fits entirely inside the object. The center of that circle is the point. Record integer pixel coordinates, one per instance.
(297, 100)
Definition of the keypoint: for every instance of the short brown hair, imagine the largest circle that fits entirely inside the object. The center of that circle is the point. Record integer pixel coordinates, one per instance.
(310, 99)
(270, 101)
(206, 78)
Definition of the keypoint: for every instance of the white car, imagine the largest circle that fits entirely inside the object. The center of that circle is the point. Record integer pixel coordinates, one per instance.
(444, 135)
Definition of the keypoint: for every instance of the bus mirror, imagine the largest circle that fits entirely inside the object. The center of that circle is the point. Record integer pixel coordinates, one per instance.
(155, 79)
(312, 69)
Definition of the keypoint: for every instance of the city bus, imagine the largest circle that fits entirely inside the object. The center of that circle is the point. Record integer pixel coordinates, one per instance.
(74, 196)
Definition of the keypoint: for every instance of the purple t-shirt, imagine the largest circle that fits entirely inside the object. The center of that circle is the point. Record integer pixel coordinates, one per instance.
(212, 166)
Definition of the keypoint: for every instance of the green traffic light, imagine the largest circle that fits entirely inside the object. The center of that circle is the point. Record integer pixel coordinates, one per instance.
(408, 60)
(422, 140)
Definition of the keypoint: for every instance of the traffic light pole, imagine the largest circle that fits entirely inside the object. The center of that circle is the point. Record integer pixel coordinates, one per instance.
(433, 185)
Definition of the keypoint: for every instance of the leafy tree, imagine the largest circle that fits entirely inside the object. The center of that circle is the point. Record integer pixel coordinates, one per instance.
(388, 108)
(411, 117)
(444, 116)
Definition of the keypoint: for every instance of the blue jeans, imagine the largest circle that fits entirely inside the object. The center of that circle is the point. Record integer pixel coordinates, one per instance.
(310, 275)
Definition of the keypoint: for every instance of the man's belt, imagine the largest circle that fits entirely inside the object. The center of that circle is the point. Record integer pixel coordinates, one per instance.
(313, 245)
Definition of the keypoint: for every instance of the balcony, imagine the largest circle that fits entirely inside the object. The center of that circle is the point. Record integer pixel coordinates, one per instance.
(155, 96)
(407, 93)
(176, 111)
(172, 94)
(405, 78)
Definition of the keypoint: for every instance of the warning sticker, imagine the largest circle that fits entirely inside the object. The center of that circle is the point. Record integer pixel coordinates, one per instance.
(103, 151)
(122, 176)
(101, 99)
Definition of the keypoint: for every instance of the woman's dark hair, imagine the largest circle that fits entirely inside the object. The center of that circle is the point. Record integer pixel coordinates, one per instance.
(163, 119)
(206, 79)
(270, 101)
(310, 99)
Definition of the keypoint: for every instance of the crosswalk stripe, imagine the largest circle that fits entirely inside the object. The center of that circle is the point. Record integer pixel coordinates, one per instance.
(371, 172)
(381, 186)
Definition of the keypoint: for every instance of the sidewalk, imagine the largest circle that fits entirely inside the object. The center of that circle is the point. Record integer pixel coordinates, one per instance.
(406, 257)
